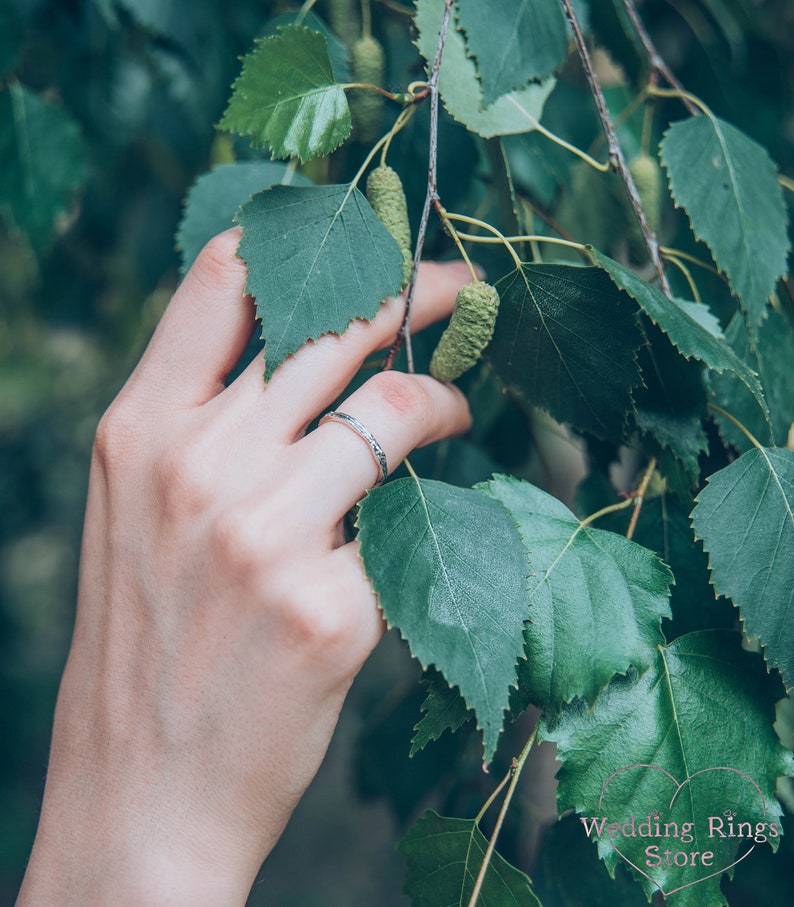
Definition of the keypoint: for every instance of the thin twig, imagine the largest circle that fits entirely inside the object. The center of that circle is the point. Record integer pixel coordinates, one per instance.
(654, 57)
(404, 335)
(639, 497)
(518, 765)
(613, 146)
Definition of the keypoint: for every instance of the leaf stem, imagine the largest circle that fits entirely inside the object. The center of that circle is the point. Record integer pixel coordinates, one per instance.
(456, 238)
(639, 497)
(786, 182)
(685, 96)
(718, 409)
(611, 508)
(397, 7)
(399, 123)
(463, 218)
(658, 65)
(391, 95)
(516, 769)
(304, 11)
(431, 196)
(685, 256)
(596, 165)
(498, 790)
(616, 156)
(529, 237)
(687, 275)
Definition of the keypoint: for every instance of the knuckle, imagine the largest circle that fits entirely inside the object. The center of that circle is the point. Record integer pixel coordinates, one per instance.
(320, 625)
(185, 478)
(404, 394)
(238, 544)
(116, 436)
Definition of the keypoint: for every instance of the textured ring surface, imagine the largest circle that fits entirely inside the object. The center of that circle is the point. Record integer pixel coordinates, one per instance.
(377, 451)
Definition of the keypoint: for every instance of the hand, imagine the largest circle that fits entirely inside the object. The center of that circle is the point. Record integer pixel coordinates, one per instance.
(221, 615)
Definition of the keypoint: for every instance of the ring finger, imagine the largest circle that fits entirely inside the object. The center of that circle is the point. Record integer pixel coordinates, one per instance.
(400, 412)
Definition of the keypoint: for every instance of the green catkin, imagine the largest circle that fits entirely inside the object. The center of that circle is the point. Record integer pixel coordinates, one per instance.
(366, 106)
(469, 331)
(647, 176)
(386, 195)
(343, 17)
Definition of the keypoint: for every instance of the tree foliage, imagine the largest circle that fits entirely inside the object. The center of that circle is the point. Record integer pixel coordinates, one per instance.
(616, 531)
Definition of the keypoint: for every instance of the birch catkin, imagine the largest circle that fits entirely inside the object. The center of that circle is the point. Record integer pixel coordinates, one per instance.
(469, 331)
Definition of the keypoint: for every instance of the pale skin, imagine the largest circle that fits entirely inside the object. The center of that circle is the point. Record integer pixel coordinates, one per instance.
(221, 615)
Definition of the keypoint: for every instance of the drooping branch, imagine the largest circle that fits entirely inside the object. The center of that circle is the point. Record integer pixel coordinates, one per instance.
(658, 65)
(431, 196)
(616, 156)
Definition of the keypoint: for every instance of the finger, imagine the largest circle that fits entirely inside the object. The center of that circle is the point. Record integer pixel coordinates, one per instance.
(204, 330)
(311, 379)
(401, 412)
(364, 625)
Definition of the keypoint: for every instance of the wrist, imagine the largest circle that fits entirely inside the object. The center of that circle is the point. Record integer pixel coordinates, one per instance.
(60, 875)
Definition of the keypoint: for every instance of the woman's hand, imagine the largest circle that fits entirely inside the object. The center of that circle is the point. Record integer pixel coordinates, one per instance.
(221, 615)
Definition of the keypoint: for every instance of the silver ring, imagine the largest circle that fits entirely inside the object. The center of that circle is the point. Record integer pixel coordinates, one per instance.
(362, 432)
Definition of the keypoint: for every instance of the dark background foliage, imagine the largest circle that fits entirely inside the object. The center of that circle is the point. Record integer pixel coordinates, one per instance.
(143, 84)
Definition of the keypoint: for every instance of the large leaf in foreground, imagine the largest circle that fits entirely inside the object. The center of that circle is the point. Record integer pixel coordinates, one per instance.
(317, 258)
(444, 857)
(700, 717)
(287, 98)
(728, 185)
(597, 599)
(214, 198)
(691, 331)
(456, 593)
(41, 163)
(460, 86)
(745, 517)
(566, 339)
(517, 41)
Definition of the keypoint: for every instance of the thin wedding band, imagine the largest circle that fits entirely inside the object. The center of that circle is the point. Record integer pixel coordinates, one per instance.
(377, 451)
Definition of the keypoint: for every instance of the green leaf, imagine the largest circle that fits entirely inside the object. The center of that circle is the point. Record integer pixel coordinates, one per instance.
(336, 50)
(597, 599)
(444, 857)
(214, 198)
(516, 42)
(664, 527)
(317, 258)
(745, 517)
(700, 717)
(442, 710)
(567, 342)
(688, 334)
(771, 358)
(460, 88)
(287, 99)
(41, 164)
(459, 600)
(728, 185)
(671, 403)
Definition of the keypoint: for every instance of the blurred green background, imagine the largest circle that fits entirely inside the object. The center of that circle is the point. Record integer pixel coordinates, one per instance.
(121, 97)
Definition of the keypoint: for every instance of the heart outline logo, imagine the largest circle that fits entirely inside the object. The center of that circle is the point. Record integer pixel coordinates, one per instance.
(680, 785)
